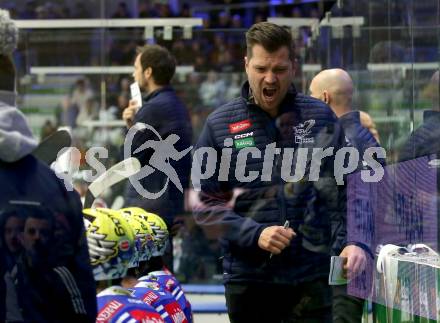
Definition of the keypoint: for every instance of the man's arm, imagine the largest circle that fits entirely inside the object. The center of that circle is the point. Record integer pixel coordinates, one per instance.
(80, 267)
(129, 113)
(145, 115)
(213, 211)
(353, 251)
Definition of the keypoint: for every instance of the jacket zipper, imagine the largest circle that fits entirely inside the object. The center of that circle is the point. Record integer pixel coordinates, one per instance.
(278, 162)
(283, 208)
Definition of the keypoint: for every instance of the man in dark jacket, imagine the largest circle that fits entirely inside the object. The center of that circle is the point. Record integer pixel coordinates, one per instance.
(424, 141)
(282, 228)
(28, 182)
(166, 113)
(335, 87)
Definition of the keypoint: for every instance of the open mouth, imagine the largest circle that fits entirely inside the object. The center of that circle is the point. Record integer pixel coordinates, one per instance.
(269, 93)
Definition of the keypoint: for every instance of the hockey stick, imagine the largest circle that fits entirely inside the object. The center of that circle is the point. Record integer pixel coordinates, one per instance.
(47, 150)
(113, 175)
(118, 203)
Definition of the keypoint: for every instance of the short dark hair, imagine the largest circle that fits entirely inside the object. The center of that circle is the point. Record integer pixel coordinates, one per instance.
(7, 73)
(162, 63)
(271, 36)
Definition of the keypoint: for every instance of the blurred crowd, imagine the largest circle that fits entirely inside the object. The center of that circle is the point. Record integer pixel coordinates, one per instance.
(201, 92)
(234, 17)
(221, 49)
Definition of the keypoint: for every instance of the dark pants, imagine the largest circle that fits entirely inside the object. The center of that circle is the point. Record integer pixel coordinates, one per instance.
(258, 302)
(346, 308)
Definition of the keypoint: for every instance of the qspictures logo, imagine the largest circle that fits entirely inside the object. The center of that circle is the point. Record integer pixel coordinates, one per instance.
(208, 161)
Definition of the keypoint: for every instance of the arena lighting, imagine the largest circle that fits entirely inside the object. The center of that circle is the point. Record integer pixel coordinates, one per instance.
(168, 23)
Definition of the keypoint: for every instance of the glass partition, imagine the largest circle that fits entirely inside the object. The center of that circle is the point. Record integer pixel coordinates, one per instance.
(80, 78)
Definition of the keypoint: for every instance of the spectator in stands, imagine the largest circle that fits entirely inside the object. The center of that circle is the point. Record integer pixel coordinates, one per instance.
(41, 12)
(80, 11)
(224, 20)
(200, 63)
(65, 12)
(220, 46)
(233, 90)
(163, 9)
(236, 21)
(47, 129)
(388, 85)
(121, 11)
(225, 63)
(261, 15)
(314, 13)
(111, 111)
(53, 10)
(185, 12)
(191, 93)
(146, 10)
(122, 102)
(212, 90)
(29, 10)
(181, 52)
(69, 113)
(81, 97)
(206, 22)
(89, 112)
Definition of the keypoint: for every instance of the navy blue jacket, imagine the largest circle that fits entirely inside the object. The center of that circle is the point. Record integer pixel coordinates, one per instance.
(29, 181)
(316, 209)
(360, 138)
(424, 140)
(164, 111)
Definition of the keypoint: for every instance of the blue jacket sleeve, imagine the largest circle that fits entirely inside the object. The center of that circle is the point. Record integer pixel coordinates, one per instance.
(338, 204)
(334, 196)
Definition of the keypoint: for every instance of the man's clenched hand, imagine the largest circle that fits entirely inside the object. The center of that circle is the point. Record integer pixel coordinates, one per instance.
(356, 260)
(275, 238)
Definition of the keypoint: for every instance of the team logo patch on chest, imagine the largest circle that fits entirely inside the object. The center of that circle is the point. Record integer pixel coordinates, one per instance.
(239, 126)
(303, 132)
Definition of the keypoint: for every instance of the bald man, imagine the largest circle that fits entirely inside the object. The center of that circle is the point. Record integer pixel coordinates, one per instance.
(335, 87)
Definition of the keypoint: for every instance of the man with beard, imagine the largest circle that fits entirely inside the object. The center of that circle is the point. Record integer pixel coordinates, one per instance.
(278, 236)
